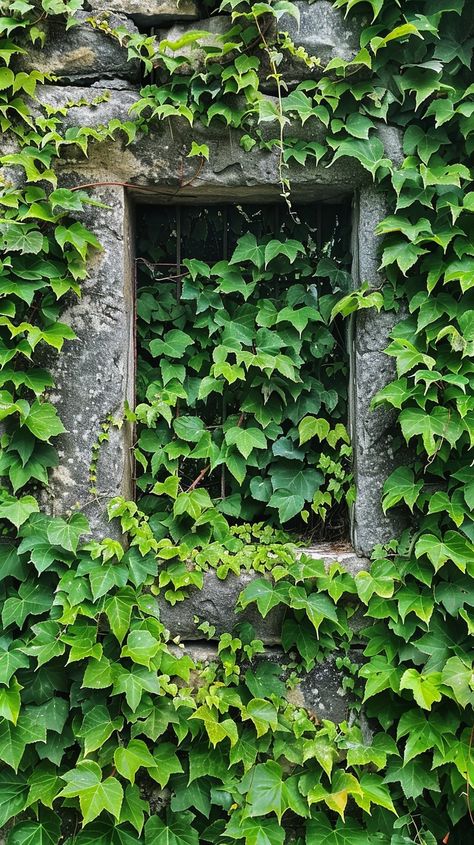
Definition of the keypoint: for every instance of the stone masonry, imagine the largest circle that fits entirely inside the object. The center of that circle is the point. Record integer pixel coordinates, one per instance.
(94, 375)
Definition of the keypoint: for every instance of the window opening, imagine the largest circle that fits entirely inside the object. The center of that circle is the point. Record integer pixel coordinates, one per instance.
(241, 374)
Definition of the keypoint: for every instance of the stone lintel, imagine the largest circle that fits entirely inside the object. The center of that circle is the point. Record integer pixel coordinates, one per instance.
(157, 163)
(216, 602)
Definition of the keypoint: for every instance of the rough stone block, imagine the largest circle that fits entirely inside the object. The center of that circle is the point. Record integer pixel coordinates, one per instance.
(93, 375)
(81, 55)
(149, 12)
(323, 33)
(214, 27)
(373, 432)
(158, 161)
(319, 691)
(216, 604)
(216, 601)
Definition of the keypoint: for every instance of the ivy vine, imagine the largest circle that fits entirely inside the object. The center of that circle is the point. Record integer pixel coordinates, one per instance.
(109, 731)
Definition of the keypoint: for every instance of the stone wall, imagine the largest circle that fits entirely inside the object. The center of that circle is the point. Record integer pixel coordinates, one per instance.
(95, 374)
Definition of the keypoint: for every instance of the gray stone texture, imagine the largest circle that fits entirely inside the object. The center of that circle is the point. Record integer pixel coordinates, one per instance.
(158, 161)
(372, 431)
(94, 374)
(216, 603)
(151, 12)
(323, 33)
(81, 54)
(214, 28)
(319, 691)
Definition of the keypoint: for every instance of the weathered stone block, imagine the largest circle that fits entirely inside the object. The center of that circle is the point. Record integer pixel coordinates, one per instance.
(372, 431)
(323, 33)
(81, 55)
(149, 12)
(159, 162)
(319, 691)
(216, 602)
(94, 374)
(213, 27)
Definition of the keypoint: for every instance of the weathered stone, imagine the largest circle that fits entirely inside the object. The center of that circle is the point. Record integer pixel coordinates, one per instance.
(372, 431)
(324, 33)
(81, 55)
(214, 28)
(319, 691)
(158, 161)
(216, 602)
(94, 373)
(151, 13)
(341, 553)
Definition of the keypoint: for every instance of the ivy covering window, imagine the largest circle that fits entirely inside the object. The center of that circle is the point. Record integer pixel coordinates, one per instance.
(242, 374)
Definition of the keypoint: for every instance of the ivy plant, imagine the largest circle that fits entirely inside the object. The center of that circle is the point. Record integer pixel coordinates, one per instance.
(110, 731)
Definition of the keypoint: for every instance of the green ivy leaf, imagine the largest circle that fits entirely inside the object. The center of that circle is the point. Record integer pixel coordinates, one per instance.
(401, 486)
(319, 830)
(128, 760)
(173, 345)
(14, 790)
(97, 726)
(45, 831)
(17, 511)
(106, 833)
(177, 831)
(246, 439)
(95, 795)
(369, 152)
(43, 421)
(263, 715)
(317, 606)
(67, 534)
(457, 674)
(255, 831)
(265, 594)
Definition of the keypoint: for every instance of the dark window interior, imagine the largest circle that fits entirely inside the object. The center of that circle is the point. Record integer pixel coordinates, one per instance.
(167, 236)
